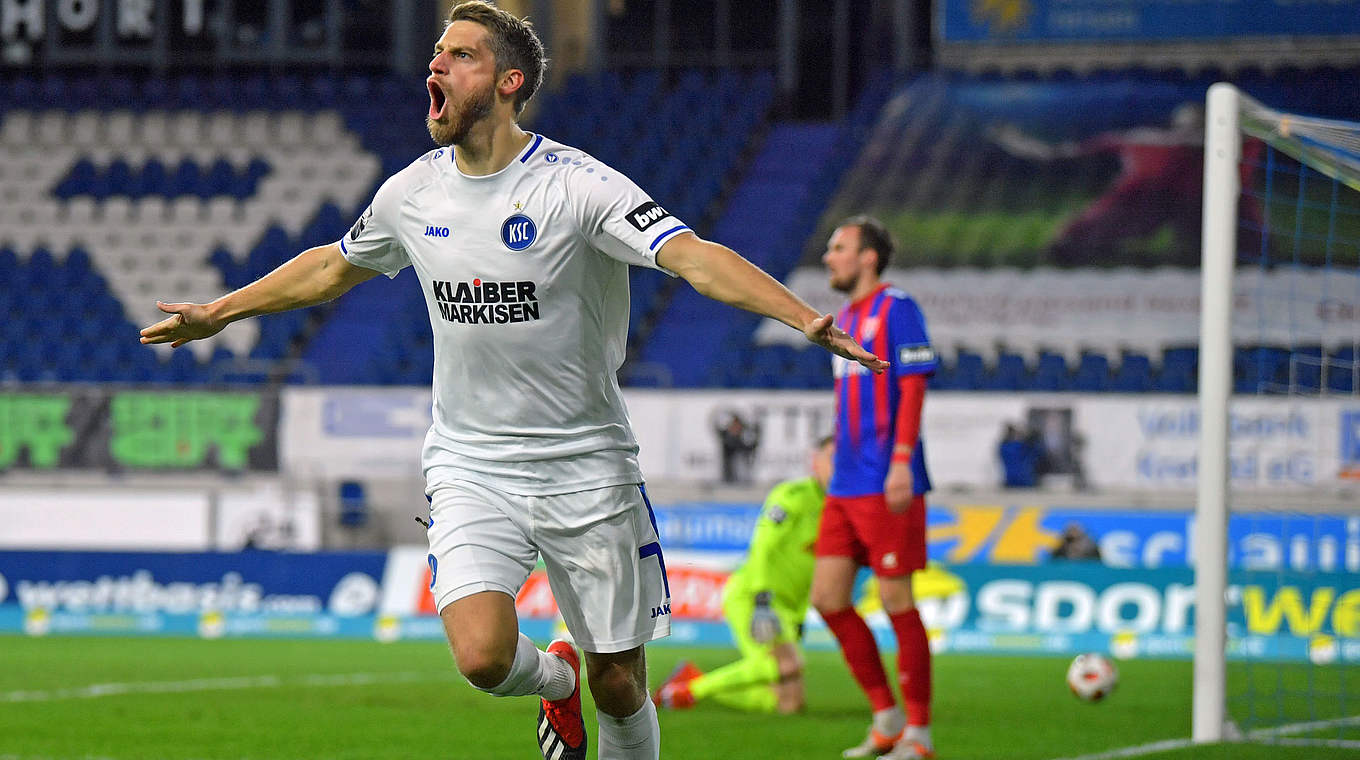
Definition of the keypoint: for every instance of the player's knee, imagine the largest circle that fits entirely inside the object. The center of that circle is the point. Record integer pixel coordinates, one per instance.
(829, 601)
(616, 689)
(484, 668)
(896, 597)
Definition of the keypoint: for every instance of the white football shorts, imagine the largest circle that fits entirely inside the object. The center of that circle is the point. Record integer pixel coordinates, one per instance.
(600, 549)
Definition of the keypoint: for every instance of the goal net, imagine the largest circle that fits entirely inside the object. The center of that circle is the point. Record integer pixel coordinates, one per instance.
(1278, 514)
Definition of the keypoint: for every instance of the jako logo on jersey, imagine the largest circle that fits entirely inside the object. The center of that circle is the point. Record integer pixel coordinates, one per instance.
(646, 215)
(438, 232)
(486, 303)
(518, 232)
(664, 609)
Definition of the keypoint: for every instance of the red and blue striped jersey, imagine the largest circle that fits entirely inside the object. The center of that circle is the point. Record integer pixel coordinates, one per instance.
(890, 324)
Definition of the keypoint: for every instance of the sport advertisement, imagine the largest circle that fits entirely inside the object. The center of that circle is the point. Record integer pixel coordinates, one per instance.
(1051, 608)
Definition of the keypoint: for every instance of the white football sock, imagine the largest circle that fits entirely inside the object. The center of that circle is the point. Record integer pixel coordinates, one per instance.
(920, 734)
(534, 671)
(637, 737)
(889, 721)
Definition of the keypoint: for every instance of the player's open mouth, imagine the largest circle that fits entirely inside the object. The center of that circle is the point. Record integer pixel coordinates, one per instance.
(437, 100)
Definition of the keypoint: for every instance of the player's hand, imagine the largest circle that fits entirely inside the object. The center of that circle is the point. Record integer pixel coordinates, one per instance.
(897, 487)
(187, 321)
(826, 334)
(765, 625)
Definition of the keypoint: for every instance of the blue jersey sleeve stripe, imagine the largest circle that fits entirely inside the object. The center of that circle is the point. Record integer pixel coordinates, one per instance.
(538, 139)
(666, 234)
(343, 248)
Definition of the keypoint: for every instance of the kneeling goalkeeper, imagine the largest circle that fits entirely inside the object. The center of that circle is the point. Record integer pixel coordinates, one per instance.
(765, 602)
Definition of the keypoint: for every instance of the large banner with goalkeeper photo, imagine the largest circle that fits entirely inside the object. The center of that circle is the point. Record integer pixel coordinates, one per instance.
(1091, 172)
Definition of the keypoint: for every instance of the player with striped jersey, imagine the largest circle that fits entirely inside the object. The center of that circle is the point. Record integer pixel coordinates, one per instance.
(522, 247)
(875, 511)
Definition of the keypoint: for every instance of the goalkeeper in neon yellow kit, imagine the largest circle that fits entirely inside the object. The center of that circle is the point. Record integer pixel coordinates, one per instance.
(765, 602)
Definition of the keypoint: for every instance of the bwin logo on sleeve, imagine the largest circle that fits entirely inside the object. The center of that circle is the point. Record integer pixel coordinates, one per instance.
(909, 355)
(646, 215)
(358, 228)
(518, 232)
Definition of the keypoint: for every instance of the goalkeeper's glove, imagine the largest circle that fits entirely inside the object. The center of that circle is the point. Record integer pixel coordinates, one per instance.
(765, 625)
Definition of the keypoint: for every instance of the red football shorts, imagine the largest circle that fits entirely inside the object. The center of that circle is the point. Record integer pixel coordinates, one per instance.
(862, 528)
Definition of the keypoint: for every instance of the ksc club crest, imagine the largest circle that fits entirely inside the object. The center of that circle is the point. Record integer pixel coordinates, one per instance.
(518, 232)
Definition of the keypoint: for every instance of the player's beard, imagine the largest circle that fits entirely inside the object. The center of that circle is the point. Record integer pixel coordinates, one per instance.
(458, 119)
(844, 284)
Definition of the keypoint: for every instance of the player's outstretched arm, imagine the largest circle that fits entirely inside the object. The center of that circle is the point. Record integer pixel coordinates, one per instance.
(314, 276)
(722, 274)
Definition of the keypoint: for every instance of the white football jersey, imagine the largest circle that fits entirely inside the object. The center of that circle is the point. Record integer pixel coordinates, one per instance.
(525, 276)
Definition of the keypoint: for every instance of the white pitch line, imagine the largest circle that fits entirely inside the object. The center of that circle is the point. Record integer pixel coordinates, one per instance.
(1303, 728)
(95, 691)
(1166, 745)
(1263, 735)
(1338, 743)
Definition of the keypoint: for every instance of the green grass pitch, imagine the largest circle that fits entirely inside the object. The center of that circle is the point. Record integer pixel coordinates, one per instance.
(181, 699)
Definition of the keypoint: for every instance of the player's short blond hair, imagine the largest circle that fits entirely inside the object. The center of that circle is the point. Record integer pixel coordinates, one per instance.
(514, 43)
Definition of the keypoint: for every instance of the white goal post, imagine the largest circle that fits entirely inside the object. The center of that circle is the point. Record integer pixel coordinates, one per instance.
(1325, 147)
(1222, 152)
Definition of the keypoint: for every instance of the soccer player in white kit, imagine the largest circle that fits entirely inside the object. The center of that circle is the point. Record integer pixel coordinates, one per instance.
(522, 247)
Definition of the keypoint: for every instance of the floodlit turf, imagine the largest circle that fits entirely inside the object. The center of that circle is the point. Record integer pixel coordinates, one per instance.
(175, 699)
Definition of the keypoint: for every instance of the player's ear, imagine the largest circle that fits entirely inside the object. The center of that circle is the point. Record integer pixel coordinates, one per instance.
(870, 249)
(510, 82)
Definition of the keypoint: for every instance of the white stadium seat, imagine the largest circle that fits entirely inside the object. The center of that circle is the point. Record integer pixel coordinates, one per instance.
(290, 129)
(87, 128)
(222, 130)
(187, 129)
(256, 131)
(17, 130)
(52, 129)
(153, 131)
(119, 127)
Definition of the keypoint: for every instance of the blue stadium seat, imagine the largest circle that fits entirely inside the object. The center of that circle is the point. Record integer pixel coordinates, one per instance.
(121, 90)
(79, 181)
(117, 179)
(22, 91)
(1341, 371)
(186, 91)
(1176, 377)
(1093, 373)
(53, 92)
(970, 372)
(220, 92)
(187, 179)
(1304, 372)
(1050, 373)
(41, 264)
(77, 267)
(1261, 369)
(155, 92)
(220, 179)
(1134, 374)
(1010, 374)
